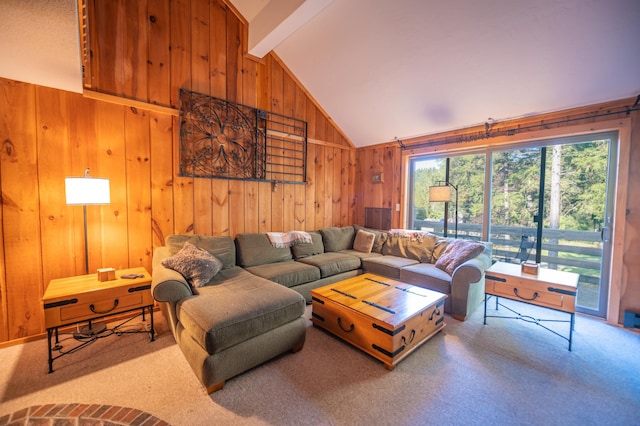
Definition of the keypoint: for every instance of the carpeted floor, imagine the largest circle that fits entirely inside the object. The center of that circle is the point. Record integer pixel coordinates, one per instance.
(505, 372)
(80, 414)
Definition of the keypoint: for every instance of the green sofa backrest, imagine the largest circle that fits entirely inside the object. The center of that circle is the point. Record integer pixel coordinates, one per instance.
(336, 239)
(256, 249)
(222, 247)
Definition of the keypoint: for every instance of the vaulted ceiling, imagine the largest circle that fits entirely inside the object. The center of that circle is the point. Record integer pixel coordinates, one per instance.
(395, 69)
(398, 69)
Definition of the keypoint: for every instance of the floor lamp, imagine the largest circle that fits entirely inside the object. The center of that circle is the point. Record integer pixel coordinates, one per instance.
(83, 191)
(441, 192)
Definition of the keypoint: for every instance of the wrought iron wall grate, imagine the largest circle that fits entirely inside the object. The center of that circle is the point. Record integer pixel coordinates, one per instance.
(223, 139)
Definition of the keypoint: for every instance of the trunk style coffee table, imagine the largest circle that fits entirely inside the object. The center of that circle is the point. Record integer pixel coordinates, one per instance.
(385, 318)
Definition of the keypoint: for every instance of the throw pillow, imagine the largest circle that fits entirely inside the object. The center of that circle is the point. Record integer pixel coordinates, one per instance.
(381, 237)
(458, 252)
(364, 241)
(197, 265)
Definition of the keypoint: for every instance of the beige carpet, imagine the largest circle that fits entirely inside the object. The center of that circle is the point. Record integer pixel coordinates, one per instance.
(507, 372)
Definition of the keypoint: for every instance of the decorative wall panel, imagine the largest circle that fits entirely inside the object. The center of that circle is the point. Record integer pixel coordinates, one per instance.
(223, 139)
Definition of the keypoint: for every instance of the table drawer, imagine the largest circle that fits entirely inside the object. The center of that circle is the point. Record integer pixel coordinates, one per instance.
(100, 307)
(539, 293)
(87, 306)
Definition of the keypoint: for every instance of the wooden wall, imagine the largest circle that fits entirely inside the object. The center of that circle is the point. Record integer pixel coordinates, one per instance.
(126, 129)
(392, 160)
(142, 52)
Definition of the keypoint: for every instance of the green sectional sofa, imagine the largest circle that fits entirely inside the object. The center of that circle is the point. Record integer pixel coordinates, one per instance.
(233, 323)
(243, 301)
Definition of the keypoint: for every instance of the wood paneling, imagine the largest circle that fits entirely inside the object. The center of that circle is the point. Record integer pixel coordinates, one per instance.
(138, 177)
(21, 209)
(162, 184)
(143, 52)
(629, 286)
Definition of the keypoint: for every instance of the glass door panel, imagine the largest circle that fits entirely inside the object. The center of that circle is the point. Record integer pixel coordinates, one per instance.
(574, 217)
(514, 204)
(465, 173)
(568, 227)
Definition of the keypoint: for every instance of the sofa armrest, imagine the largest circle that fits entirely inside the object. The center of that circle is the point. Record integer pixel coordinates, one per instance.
(167, 285)
(467, 285)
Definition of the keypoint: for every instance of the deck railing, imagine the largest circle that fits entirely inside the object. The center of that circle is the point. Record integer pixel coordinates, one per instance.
(568, 250)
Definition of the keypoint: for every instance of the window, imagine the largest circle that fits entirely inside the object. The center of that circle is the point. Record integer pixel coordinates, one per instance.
(466, 173)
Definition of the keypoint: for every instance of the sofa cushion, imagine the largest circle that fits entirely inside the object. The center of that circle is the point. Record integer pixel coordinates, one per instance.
(360, 254)
(381, 237)
(246, 306)
(413, 245)
(332, 263)
(303, 250)
(222, 247)
(336, 239)
(428, 276)
(388, 266)
(195, 264)
(289, 273)
(364, 241)
(256, 249)
(457, 253)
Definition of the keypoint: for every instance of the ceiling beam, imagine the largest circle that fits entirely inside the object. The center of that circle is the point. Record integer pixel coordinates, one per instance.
(273, 24)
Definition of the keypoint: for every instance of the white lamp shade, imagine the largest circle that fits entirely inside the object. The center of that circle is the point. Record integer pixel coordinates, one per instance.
(440, 193)
(87, 190)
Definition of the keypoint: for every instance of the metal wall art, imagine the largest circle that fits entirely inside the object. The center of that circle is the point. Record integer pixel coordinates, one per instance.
(223, 139)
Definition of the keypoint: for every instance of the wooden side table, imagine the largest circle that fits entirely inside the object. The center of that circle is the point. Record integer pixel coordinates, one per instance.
(73, 300)
(549, 288)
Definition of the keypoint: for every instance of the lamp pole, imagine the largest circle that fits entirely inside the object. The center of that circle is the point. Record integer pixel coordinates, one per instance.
(86, 241)
(456, 189)
(446, 205)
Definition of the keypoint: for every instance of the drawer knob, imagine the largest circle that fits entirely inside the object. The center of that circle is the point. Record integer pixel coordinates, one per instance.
(93, 308)
(535, 295)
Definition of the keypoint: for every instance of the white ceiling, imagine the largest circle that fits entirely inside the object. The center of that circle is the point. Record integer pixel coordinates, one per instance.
(39, 43)
(384, 69)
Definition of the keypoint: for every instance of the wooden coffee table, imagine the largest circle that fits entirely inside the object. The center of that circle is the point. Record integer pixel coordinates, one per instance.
(386, 318)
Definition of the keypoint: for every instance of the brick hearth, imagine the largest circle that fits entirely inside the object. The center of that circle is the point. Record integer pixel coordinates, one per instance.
(80, 414)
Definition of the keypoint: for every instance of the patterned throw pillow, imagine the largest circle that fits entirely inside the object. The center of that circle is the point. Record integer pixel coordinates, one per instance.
(364, 241)
(197, 265)
(456, 253)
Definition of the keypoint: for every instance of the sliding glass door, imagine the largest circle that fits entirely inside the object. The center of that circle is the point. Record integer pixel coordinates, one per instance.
(551, 202)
